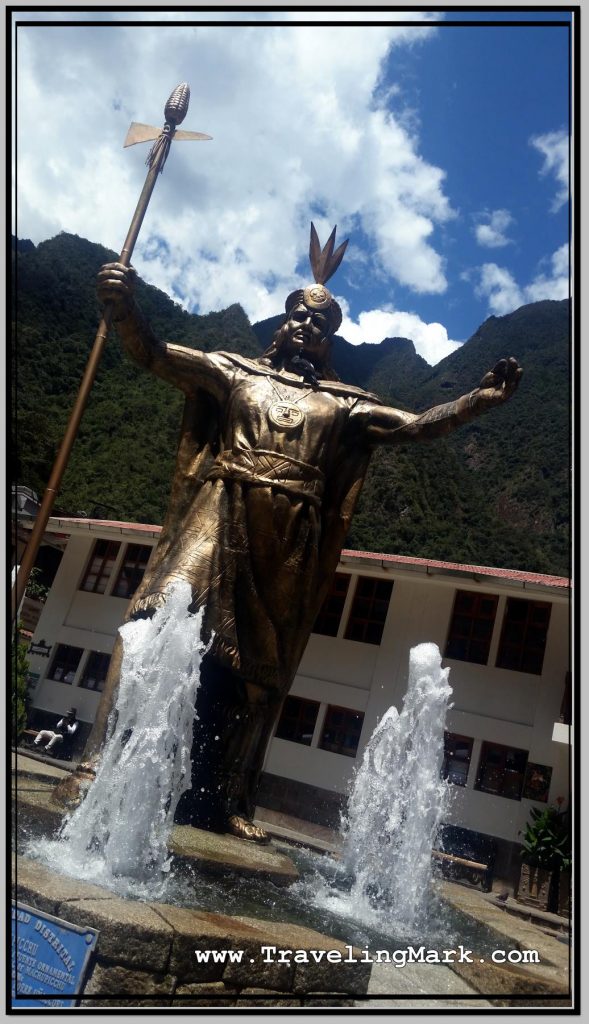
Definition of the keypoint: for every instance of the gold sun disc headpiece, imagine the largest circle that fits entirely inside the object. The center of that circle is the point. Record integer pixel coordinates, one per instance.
(324, 263)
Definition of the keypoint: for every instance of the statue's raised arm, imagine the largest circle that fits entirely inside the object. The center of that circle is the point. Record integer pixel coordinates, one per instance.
(390, 426)
(185, 368)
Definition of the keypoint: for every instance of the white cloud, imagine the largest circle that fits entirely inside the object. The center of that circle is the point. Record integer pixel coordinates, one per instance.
(290, 143)
(554, 285)
(554, 147)
(490, 232)
(499, 286)
(431, 340)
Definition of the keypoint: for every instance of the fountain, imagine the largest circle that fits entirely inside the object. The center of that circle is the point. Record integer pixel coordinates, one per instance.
(120, 833)
(119, 836)
(378, 897)
(123, 825)
(396, 804)
(398, 799)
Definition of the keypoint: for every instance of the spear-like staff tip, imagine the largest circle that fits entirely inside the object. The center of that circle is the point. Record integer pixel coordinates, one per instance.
(177, 106)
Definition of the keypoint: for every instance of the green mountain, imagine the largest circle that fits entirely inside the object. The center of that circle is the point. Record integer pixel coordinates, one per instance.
(393, 366)
(493, 493)
(123, 459)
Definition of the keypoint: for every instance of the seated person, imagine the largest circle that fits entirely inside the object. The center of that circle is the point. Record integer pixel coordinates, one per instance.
(64, 730)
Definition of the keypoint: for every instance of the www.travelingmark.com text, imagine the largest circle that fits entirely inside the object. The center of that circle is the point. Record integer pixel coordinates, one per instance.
(397, 957)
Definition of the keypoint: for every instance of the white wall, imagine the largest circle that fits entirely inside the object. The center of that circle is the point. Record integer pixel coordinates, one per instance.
(79, 619)
(310, 764)
(497, 705)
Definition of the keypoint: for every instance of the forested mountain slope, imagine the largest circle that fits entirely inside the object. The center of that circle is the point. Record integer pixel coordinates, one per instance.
(494, 493)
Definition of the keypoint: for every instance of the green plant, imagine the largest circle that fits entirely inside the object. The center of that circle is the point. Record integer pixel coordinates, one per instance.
(35, 589)
(20, 669)
(547, 842)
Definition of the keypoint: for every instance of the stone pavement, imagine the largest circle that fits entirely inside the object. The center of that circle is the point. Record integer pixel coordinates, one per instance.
(419, 986)
(295, 830)
(37, 765)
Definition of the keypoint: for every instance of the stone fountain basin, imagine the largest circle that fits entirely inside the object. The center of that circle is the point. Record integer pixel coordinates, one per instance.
(207, 851)
(148, 949)
(146, 957)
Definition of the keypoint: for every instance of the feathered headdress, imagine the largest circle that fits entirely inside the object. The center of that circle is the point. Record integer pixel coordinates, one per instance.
(324, 263)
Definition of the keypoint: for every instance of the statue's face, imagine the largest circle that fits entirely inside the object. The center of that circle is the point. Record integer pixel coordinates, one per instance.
(306, 331)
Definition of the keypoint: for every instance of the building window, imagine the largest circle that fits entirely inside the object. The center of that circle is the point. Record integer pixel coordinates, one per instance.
(297, 720)
(537, 782)
(329, 618)
(65, 663)
(95, 671)
(133, 569)
(501, 770)
(471, 628)
(100, 566)
(341, 731)
(369, 610)
(523, 637)
(457, 755)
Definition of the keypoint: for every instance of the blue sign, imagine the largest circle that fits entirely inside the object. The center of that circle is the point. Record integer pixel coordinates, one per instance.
(49, 958)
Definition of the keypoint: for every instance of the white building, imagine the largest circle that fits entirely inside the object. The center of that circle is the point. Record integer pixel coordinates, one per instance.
(504, 634)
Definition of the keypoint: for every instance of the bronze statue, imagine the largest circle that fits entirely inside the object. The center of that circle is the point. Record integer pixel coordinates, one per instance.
(272, 456)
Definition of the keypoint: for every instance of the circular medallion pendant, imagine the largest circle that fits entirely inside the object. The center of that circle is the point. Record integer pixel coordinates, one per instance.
(285, 415)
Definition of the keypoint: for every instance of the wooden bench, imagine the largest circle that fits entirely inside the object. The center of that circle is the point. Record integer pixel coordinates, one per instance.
(464, 854)
(61, 751)
(30, 734)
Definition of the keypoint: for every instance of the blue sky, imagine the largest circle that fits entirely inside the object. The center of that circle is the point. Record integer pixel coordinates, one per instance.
(480, 94)
(440, 150)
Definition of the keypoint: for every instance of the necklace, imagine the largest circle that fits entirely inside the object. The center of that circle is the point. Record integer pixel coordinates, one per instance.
(284, 414)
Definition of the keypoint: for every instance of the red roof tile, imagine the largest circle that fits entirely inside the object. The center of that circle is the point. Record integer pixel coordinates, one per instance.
(83, 521)
(428, 563)
(477, 570)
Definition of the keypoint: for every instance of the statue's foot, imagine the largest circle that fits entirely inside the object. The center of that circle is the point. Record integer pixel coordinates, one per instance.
(244, 829)
(71, 790)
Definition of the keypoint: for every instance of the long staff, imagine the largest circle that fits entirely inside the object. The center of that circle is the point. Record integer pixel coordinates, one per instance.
(175, 111)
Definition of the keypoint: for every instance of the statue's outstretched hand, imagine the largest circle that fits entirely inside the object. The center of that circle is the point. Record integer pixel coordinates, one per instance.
(499, 384)
(116, 285)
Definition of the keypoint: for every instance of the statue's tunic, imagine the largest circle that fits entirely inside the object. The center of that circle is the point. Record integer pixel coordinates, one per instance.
(265, 485)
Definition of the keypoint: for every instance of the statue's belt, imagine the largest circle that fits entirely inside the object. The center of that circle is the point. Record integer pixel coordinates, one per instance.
(270, 469)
